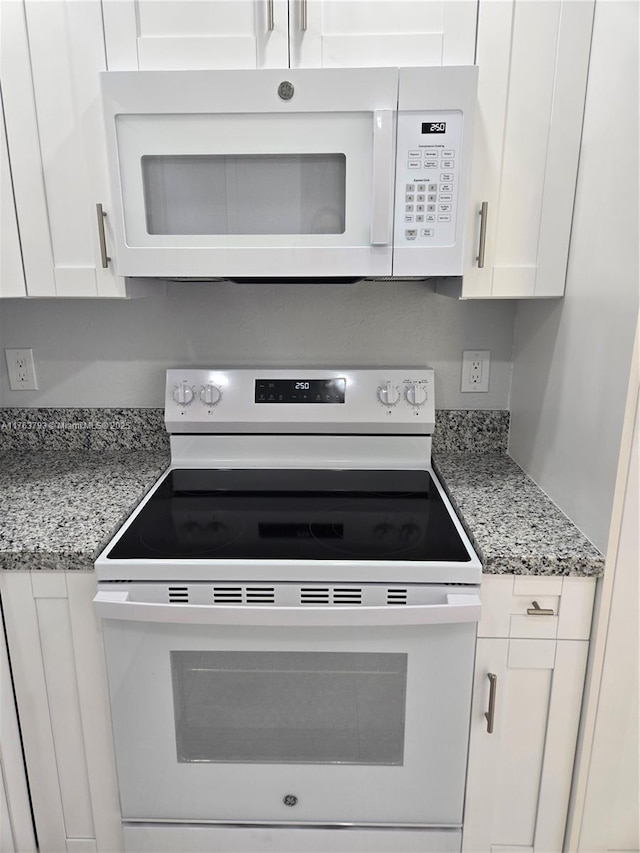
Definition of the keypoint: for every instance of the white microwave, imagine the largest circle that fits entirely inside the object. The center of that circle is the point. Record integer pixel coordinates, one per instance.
(359, 172)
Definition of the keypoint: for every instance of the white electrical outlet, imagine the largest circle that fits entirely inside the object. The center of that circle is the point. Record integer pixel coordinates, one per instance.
(22, 372)
(475, 370)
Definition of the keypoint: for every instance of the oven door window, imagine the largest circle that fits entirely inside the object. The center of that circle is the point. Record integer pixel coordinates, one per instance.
(289, 707)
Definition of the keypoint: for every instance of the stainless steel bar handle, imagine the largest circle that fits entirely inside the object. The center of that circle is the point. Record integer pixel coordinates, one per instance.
(490, 714)
(484, 211)
(536, 610)
(101, 236)
(303, 15)
(271, 23)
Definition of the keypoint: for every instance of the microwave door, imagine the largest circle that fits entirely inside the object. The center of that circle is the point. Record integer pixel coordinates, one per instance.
(263, 192)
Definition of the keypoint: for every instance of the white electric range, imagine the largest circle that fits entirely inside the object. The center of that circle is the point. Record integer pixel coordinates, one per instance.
(290, 619)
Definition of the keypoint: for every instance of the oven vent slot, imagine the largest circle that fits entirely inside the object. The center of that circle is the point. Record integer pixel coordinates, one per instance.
(314, 595)
(260, 595)
(227, 595)
(178, 595)
(347, 595)
(396, 596)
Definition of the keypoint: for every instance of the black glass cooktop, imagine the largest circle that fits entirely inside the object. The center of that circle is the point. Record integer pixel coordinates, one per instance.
(203, 514)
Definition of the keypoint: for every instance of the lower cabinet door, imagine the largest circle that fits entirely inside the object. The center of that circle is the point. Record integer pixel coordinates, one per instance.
(519, 774)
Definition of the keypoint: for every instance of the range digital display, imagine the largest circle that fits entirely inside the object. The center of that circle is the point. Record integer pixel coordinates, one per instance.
(434, 127)
(300, 390)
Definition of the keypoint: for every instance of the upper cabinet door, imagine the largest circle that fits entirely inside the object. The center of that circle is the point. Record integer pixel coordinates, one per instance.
(11, 272)
(52, 53)
(165, 35)
(533, 59)
(371, 33)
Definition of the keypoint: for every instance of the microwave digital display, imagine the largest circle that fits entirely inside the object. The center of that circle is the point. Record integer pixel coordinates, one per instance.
(434, 127)
(300, 390)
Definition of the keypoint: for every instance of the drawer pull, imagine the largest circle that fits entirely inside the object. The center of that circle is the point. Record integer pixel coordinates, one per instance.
(536, 610)
(490, 714)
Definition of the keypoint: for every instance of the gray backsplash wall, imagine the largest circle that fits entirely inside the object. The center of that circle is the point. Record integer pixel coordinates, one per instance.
(96, 352)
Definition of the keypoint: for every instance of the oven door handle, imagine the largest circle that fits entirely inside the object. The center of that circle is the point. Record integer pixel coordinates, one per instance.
(458, 608)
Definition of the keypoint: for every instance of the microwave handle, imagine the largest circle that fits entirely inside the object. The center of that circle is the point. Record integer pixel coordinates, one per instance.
(383, 170)
(458, 608)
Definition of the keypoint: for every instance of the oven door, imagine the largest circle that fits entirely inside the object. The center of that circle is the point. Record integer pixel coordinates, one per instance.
(252, 174)
(304, 714)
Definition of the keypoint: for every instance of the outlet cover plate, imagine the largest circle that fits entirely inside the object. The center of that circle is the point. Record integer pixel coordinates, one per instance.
(475, 370)
(22, 372)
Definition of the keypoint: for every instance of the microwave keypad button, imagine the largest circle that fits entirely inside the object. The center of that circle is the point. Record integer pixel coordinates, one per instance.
(409, 198)
(408, 217)
(431, 164)
(444, 218)
(431, 197)
(411, 233)
(414, 164)
(431, 208)
(447, 164)
(421, 188)
(420, 208)
(433, 188)
(446, 188)
(420, 217)
(413, 155)
(420, 197)
(444, 208)
(408, 208)
(446, 176)
(411, 188)
(430, 217)
(426, 232)
(449, 154)
(446, 197)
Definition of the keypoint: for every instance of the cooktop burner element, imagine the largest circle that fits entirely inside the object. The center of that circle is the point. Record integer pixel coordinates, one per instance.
(293, 515)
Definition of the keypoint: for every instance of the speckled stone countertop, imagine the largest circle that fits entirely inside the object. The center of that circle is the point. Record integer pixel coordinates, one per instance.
(58, 509)
(515, 528)
(69, 479)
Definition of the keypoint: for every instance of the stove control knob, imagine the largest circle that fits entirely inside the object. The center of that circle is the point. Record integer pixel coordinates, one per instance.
(416, 394)
(183, 394)
(388, 394)
(210, 395)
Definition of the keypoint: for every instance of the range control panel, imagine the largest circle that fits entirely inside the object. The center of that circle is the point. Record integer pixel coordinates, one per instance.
(428, 176)
(334, 401)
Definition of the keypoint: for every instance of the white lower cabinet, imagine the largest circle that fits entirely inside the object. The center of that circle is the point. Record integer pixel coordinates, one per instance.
(57, 661)
(530, 660)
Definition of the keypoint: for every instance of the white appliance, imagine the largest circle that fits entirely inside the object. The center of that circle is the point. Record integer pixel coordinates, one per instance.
(290, 620)
(358, 172)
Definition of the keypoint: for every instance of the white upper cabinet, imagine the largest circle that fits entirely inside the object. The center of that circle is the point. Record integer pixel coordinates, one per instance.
(165, 35)
(156, 35)
(51, 55)
(348, 33)
(11, 272)
(533, 59)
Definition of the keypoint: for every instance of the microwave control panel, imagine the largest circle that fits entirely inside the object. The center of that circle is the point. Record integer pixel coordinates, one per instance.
(427, 178)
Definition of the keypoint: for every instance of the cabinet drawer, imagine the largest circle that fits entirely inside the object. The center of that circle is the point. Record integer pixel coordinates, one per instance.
(545, 608)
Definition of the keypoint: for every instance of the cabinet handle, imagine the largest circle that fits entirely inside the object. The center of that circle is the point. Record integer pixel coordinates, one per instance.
(271, 23)
(536, 610)
(490, 714)
(484, 211)
(303, 15)
(101, 237)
